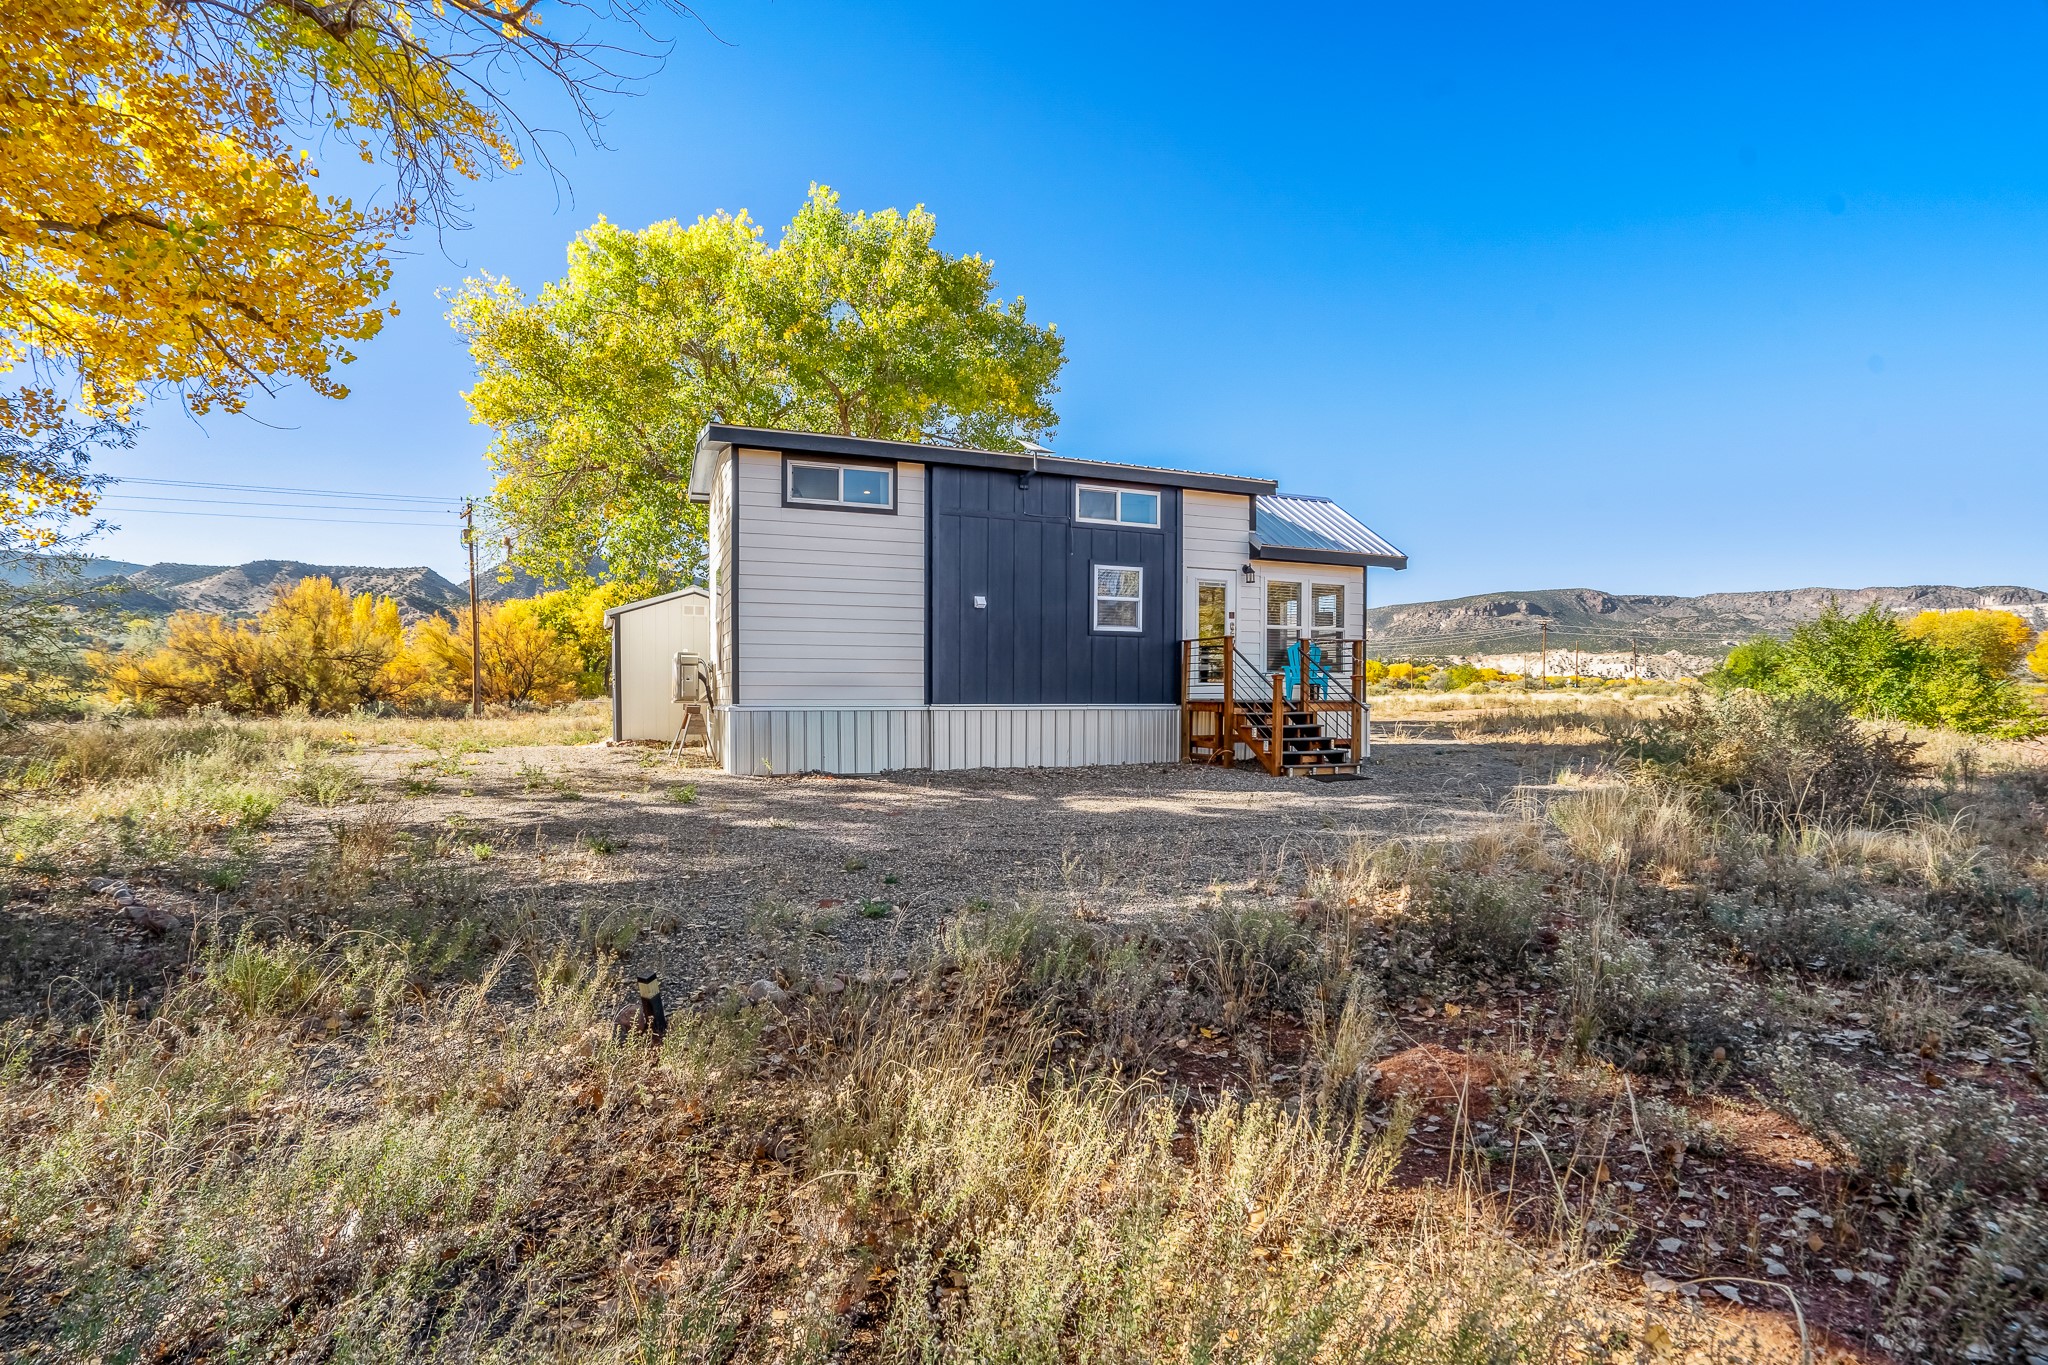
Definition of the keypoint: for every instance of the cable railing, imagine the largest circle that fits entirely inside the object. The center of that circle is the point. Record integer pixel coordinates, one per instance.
(1303, 710)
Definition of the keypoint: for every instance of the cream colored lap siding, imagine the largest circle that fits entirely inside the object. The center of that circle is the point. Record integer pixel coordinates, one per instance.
(1215, 543)
(830, 602)
(719, 555)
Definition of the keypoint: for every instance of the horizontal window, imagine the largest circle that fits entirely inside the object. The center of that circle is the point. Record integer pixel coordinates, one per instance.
(866, 487)
(1119, 598)
(1116, 506)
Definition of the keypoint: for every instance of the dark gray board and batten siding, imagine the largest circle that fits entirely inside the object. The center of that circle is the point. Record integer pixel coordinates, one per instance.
(1019, 546)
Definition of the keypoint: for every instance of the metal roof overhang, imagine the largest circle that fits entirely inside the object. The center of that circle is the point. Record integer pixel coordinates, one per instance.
(1355, 559)
(694, 590)
(719, 438)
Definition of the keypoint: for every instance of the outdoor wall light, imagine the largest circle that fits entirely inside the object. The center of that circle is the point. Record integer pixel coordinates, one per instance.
(1251, 575)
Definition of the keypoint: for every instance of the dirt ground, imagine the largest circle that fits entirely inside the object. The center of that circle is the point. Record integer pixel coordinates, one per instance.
(731, 878)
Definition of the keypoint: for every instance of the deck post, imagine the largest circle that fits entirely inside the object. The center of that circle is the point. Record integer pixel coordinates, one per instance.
(1276, 748)
(1187, 720)
(1229, 722)
(1361, 742)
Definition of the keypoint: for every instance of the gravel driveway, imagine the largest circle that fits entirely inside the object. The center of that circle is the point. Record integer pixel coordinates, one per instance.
(731, 878)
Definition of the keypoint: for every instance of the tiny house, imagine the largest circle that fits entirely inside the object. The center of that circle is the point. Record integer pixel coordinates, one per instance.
(876, 605)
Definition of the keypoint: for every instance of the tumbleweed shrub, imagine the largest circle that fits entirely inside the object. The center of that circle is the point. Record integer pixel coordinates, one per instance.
(1780, 760)
(1637, 826)
(1961, 1169)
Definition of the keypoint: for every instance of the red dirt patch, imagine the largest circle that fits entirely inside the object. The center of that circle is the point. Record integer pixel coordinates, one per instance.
(1429, 1074)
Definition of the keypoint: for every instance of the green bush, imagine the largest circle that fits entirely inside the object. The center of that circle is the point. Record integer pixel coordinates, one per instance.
(1869, 666)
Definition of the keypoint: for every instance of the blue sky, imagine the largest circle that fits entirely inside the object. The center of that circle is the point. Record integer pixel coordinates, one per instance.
(1743, 297)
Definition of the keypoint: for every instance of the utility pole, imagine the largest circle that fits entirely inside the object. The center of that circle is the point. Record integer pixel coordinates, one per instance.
(1545, 675)
(476, 681)
(1635, 660)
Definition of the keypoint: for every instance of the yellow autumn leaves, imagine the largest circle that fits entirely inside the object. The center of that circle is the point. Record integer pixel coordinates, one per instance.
(321, 649)
(156, 224)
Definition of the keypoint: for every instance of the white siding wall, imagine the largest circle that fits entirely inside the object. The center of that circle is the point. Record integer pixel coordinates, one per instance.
(1215, 543)
(719, 570)
(649, 639)
(831, 603)
(766, 742)
(772, 741)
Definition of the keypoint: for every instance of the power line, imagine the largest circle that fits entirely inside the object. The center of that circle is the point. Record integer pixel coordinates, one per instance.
(241, 502)
(260, 516)
(271, 488)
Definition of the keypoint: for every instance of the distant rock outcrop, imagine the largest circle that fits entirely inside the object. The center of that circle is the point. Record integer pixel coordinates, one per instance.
(1634, 626)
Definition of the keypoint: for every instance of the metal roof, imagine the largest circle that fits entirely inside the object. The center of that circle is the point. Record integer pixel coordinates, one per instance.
(1317, 530)
(694, 590)
(719, 437)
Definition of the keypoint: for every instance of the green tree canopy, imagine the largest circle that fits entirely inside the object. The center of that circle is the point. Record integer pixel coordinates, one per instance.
(853, 324)
(1870, 666)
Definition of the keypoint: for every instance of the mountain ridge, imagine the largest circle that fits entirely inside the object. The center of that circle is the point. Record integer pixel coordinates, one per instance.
(1707, 625)
(242, 590)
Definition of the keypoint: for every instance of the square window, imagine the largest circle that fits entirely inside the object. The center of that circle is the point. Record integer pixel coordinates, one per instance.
(1098, 504)
(1119, 598)
(868, 487)
(814, 482)
(1138, 509)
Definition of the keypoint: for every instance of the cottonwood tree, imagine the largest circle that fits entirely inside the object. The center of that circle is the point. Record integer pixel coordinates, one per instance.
(161, 227)
(47, 489)
(853, 323)
(1997, 639)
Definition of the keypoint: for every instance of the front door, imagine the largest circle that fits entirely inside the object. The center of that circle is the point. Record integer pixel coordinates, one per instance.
(1212, 616)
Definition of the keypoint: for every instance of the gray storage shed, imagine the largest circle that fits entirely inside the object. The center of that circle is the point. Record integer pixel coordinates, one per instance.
(646, 637)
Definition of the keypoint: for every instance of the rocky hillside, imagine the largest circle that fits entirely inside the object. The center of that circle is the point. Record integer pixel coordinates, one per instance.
(245, 589)
(1618, 623)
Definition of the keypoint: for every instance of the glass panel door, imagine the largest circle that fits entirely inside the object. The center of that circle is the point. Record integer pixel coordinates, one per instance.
(1212, 623)
(1327, 601)
(1283, 621)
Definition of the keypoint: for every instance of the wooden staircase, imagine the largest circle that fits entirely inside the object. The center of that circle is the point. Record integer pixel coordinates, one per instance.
(1305, 747)
(1322, 726)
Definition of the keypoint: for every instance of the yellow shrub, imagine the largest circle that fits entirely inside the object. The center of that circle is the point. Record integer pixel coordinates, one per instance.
(523, 661)
(2037, 662)
(314, 646)
(1998, 638)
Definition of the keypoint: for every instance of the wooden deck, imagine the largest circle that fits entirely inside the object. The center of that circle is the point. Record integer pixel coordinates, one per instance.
(1309, 718)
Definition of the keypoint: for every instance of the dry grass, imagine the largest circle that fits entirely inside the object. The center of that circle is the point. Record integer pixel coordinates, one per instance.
(390, 1120)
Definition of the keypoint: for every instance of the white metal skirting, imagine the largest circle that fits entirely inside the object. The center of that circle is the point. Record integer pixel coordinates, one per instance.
(765, 740)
